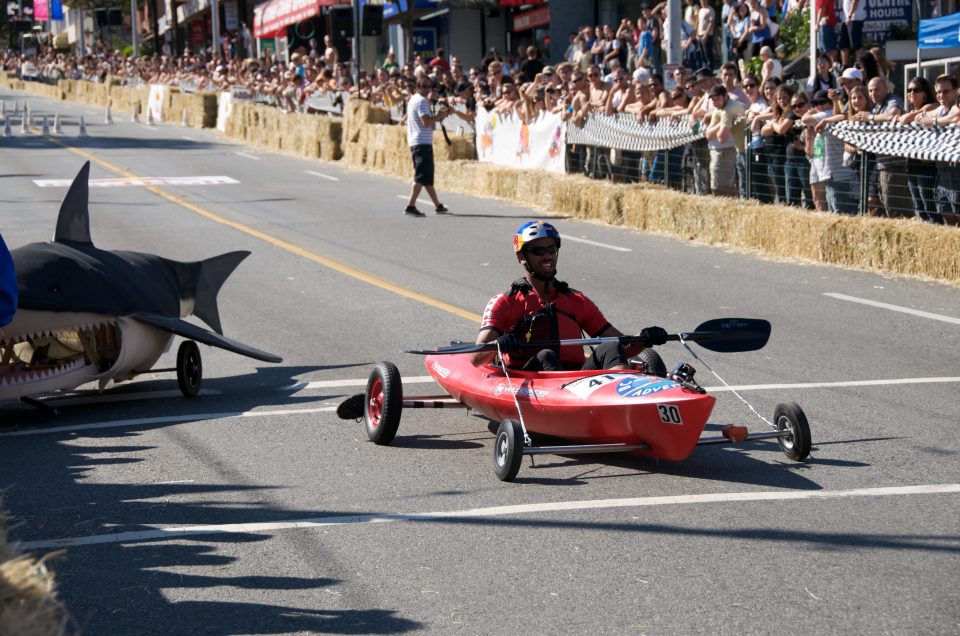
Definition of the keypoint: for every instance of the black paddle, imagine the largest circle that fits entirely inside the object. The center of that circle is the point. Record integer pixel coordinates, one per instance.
(724, 335)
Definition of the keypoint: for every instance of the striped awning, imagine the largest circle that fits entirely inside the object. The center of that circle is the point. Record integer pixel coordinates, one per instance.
(271, 18)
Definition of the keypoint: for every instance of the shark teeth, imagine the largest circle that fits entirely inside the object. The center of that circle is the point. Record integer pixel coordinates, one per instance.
(38, 355)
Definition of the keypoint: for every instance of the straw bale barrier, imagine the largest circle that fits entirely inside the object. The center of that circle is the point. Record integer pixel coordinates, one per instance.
(29, 605)
(889, 246)
(300, 134)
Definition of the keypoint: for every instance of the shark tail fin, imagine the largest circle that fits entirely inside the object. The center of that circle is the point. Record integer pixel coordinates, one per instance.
(209, 276)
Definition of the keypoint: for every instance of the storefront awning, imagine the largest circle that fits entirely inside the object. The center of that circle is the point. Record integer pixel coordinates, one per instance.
(271, 18)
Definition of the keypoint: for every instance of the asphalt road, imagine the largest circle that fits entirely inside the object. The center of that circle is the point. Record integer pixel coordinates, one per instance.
(862, 538)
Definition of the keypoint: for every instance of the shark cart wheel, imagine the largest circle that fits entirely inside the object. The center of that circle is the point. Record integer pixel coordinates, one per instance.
(384, 403)
(790, 417)
(508, 450)
(189, 368)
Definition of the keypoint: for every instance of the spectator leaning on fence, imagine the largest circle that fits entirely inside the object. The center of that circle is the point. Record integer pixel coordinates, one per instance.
(827, 158)
(946, 112)
(724, 136)
(921, 175)
(891, 171)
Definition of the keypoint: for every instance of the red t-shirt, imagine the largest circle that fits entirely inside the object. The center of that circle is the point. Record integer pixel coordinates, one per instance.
(522, 311)
(827, 9)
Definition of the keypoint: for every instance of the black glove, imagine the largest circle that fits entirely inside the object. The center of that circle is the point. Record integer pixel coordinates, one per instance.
(508, 343)
(654, 336)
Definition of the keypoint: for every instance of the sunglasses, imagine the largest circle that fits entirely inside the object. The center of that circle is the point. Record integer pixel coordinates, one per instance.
(543, 250)
(914, 90)
(750, 85)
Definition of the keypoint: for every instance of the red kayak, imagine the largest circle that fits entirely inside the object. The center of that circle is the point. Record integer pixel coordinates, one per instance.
(595, 407)
(644, 410)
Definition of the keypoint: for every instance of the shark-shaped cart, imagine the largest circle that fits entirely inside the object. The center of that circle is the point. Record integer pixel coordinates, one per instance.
(92, 315)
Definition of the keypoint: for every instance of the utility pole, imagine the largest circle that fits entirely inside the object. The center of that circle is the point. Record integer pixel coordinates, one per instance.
(674, 16)
(215, 27)
(133, 29)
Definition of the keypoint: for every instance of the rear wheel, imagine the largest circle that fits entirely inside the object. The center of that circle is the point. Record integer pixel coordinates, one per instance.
(788, 416)
(189, 368)
(384, 402)
(508, 450)
(651, 363)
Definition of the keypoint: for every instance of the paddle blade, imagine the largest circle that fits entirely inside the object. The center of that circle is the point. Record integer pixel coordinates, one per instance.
(731, 335)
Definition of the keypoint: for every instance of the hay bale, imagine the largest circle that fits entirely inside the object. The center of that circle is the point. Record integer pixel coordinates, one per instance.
(29, 605)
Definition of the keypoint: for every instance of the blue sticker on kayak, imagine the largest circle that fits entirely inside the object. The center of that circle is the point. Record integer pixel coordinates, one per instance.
(642, 387)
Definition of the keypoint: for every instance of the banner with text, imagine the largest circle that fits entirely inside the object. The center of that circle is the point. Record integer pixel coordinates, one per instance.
(506, 140)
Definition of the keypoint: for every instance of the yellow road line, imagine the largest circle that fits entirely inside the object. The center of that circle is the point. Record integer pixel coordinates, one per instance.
(347, 270)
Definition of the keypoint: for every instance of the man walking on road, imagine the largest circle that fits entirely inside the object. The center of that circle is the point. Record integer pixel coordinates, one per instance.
(420, 124)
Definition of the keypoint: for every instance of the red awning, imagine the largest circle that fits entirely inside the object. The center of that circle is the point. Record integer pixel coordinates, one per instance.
(271, 18)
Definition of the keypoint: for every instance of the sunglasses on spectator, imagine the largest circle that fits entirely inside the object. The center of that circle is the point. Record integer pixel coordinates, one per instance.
(543, 250)
(750, 85)
(914, 89)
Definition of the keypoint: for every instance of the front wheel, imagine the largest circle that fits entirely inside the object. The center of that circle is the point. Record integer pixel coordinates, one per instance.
(651, 363)
(384, 402)
(189, 368)
(790, 417)
(508, 450)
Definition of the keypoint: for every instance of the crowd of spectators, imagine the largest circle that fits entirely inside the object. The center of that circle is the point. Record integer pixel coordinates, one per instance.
(768, 136)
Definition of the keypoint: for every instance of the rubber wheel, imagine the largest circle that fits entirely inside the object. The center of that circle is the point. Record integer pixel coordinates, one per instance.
(384, 402)
(508, 450)
(189, 368)
(652, 363)
(790, 417)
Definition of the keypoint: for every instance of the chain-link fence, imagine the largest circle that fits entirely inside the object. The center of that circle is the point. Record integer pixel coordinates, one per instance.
(801, 167)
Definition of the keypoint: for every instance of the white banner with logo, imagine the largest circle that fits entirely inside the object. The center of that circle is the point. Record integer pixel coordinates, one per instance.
(156, 99)
(224, 110)
(506, 140)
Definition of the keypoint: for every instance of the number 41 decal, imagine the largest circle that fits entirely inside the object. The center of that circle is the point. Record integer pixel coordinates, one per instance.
(669, 414)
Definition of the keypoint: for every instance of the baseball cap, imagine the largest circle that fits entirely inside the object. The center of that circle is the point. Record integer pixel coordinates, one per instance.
(852, 73)
(641, 75)
(549, 70)
(821, 97)
(704, 72)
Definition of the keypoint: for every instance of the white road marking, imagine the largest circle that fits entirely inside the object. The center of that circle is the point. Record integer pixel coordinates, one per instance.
(827, 385)
(329, 384)
(321, 175)
(187, 138)
(326, 384)
(177, 532)
(148, 127)
(577, 239)
(904, 310)
(243, 154)
(166, 419)
(168, 483)
(420, 379)
(122, 182)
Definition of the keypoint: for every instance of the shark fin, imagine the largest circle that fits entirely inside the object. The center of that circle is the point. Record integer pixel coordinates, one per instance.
(208, 276)
(194, 332)
(73, 222)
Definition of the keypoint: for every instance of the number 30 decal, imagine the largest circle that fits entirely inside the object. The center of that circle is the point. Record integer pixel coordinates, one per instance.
(669, 414)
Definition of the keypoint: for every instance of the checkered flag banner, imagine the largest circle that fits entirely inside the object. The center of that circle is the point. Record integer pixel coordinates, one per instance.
(623, 132)
(911, 141)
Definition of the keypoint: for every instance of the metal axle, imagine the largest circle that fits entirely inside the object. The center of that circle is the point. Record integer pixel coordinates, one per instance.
(577, 449)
